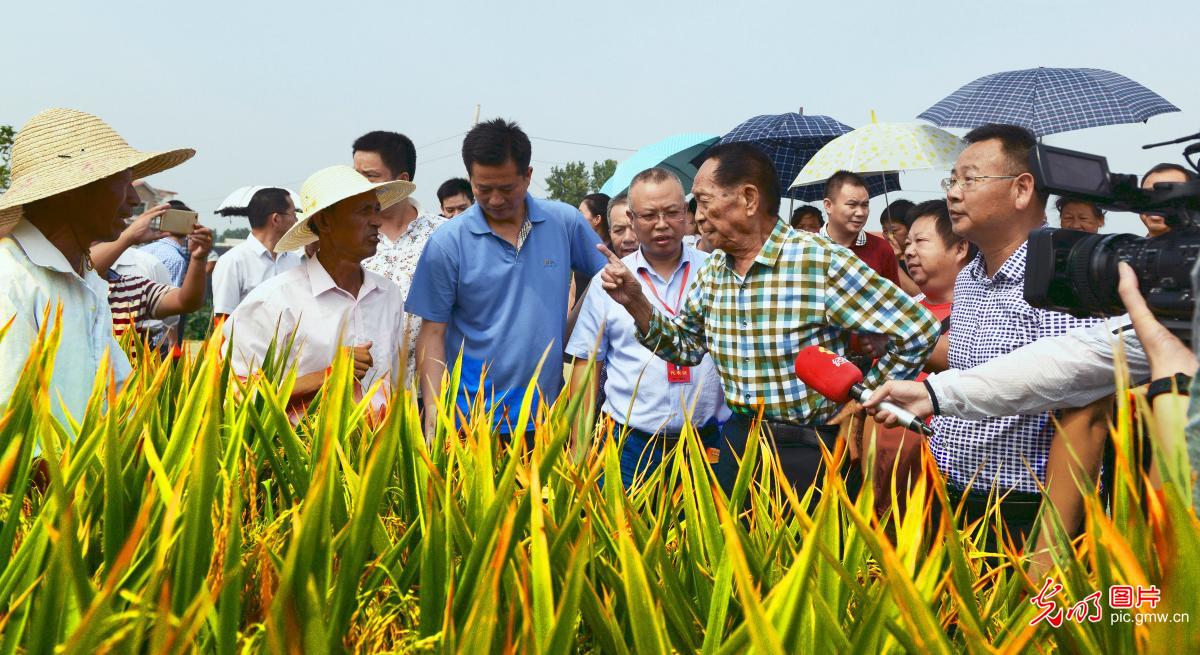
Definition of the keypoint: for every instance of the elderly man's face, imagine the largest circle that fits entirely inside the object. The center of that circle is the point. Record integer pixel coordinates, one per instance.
(350, 228)
(1157, 225)
(1080, 216)
(719, 211)
(105, 200)
(132, 201)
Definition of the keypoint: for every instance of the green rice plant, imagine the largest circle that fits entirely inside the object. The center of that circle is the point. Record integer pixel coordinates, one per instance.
(193, 511)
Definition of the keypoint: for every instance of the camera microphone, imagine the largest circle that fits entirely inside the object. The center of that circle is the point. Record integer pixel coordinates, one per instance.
(839, 380)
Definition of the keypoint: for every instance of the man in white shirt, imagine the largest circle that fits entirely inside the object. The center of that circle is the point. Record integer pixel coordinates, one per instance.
(648, 397)
(330, 301)
(70, 173)
(383, 157)
(257, 259)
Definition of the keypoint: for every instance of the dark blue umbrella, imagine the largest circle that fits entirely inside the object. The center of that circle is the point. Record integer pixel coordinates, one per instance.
(790, 140)
(1049, 100)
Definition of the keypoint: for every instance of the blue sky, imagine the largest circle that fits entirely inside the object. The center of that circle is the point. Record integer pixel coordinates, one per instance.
(269, 92)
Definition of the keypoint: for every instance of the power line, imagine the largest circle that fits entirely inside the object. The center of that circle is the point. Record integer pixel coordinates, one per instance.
(434, 143)
(577, 143)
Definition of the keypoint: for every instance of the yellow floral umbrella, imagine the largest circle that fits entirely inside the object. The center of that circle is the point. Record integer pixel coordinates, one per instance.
(883, 148)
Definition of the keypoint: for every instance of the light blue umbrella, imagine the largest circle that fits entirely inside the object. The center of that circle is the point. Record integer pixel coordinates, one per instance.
(674, 153)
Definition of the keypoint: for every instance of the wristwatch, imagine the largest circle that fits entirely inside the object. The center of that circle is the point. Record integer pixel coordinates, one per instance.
(1178, 383)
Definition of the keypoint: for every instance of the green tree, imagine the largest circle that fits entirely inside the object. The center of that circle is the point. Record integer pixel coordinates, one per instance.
(571, 182)
(6, 139)
(601, 171)
(235, 233)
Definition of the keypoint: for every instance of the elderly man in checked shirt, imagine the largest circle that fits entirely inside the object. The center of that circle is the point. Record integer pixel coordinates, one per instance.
(767, 292)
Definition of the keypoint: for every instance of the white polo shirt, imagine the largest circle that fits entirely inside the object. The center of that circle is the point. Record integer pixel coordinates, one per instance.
(638, 392)
(306, 301)
(242, 269)
(36, 277)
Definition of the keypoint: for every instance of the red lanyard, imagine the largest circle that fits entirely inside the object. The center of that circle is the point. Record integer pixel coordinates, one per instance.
(687, 267)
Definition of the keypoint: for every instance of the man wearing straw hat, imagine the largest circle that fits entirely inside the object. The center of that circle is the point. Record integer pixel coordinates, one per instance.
(70, 172)
(330, 300)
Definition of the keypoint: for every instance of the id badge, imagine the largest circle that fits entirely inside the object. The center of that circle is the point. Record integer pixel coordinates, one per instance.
(678, 374)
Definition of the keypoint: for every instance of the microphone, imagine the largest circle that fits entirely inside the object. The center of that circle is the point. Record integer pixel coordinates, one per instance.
(839, 380)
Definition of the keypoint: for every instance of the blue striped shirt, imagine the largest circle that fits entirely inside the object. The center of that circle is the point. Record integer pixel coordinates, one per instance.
(991, 318)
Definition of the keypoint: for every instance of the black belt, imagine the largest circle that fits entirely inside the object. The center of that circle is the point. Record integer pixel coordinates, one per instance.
(790, 434)
(708, 430)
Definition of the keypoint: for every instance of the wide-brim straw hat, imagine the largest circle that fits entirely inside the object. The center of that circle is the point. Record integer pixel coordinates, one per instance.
(329, 186)
(63, 149)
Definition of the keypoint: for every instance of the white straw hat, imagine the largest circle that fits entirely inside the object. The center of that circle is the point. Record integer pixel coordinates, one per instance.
(329, 186)
(63, 149)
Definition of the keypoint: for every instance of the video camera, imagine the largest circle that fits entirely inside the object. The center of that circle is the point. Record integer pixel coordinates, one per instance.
(1076, 272)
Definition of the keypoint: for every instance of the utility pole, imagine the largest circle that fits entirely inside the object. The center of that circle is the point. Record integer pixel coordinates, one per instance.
(476, 121)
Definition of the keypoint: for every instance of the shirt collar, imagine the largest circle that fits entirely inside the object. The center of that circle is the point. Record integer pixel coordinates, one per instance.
(257, 247)
(182, 248)
(640, 263)
(477, 223)
(320, 280)
(38, 248)
(774, 245)
(1013, 268)
(859, 241)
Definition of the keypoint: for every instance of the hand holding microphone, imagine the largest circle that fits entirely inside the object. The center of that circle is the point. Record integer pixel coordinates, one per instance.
(839, 380)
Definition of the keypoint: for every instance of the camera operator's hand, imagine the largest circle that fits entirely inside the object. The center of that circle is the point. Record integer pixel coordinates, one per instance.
(1166, 353)
(907, 394)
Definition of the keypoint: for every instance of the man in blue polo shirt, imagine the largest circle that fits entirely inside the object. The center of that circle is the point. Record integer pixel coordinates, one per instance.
(492, 285)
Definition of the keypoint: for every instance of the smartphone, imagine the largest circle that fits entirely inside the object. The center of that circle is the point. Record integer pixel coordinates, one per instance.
(179, 222)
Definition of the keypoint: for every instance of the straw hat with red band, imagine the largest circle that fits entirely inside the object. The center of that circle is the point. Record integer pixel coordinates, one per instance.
(63, 149)
(329, 186)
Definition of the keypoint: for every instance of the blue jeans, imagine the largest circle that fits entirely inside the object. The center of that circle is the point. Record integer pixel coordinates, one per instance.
(643, 452)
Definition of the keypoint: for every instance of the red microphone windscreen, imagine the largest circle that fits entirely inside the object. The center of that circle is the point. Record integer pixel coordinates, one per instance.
(827, 373)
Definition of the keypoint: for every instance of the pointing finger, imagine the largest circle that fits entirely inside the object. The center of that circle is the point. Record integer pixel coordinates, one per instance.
(612, 257)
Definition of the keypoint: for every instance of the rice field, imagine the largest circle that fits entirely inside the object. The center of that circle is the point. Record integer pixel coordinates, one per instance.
(191, 515)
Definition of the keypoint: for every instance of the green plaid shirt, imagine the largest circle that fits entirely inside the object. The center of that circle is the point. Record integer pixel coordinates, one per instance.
(801, 290)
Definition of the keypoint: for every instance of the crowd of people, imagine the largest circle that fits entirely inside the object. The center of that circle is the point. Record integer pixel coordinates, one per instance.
(691, 308)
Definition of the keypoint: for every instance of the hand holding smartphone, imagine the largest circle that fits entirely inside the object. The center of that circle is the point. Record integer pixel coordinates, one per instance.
(179, 222)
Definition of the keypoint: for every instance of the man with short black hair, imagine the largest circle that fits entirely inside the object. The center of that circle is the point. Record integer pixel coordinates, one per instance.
(404, 229)
(994, 203)
(493, 284)
(847, 203)
(767, 292)
(455, 197)
(1156, 224)
(1079, 214)
(242, 268)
